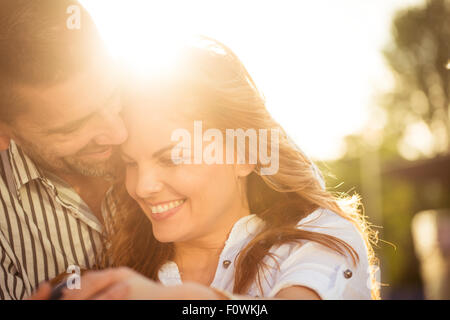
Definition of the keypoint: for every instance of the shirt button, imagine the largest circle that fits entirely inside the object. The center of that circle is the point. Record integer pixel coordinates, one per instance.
(226, 264)
(348, 274)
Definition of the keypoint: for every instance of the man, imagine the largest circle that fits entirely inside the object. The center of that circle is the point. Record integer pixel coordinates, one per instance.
(59, 126)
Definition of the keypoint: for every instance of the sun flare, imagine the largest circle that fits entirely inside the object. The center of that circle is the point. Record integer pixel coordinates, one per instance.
(319, 79)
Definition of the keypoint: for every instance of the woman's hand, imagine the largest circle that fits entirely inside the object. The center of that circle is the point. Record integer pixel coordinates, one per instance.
(126, 284)
(113, 284)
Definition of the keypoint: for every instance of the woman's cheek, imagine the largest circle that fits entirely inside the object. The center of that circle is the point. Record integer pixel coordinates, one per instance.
(130, 182)
(191, 180)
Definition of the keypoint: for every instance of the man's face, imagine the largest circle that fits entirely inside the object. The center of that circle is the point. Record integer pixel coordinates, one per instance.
(72, 127)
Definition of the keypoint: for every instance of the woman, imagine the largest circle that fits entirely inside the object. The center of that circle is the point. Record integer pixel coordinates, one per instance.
(212, 230)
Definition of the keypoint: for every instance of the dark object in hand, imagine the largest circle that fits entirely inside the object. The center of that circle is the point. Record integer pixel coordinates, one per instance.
(56, 293)
(59, 283)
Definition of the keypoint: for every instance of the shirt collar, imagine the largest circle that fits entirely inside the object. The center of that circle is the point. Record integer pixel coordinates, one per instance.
(24, 171)
(243, 230)
(23, 168)
(246, 226)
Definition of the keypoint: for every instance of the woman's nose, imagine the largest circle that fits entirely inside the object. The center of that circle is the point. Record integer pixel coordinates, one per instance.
(148, 185)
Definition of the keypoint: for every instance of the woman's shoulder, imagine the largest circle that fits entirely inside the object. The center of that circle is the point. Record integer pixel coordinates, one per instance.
(331, 274)
(323, 217)
(331, 223)
(328, 222)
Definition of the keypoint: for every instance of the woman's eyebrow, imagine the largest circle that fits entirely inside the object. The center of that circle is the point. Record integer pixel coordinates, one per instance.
(156, 154)
(161, 151)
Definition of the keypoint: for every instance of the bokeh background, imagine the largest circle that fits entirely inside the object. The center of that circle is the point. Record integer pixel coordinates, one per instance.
(362, 86)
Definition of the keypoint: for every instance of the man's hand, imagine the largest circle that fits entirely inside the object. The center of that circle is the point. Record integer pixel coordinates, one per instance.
(42, 293)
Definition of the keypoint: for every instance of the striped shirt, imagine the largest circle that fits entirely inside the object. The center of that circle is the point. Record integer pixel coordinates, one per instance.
(45, 226)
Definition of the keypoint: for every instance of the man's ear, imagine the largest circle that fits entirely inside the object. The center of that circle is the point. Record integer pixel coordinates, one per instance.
(4, 141)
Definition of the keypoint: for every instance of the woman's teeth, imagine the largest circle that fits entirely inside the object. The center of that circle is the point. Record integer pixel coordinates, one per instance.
(167, 206)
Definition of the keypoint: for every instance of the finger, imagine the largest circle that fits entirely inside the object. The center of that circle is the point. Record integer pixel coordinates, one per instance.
(118, 291)
(42, 293)
(93, 282)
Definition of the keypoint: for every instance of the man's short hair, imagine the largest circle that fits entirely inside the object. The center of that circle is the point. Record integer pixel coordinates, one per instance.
(38, 48)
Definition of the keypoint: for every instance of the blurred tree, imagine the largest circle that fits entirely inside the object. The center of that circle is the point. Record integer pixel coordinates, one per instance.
(418, 122)
(417, 125)
(419, 56)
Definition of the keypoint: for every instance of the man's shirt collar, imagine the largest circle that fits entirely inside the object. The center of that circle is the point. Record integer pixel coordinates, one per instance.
(23, 168)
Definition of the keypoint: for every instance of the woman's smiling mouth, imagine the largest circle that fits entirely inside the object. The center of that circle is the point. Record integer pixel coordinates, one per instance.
(167, 206)
(164, 210)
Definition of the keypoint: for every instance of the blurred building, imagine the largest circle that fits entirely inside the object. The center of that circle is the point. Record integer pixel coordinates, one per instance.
(431, 222)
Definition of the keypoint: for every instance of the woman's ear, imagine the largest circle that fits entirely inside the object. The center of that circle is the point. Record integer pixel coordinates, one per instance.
(243, 170)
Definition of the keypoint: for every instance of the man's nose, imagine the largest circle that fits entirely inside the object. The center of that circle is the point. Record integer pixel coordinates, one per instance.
(113, 131)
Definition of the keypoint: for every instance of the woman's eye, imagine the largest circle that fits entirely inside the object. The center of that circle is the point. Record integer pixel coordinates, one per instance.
(167, 162)
(172, 162)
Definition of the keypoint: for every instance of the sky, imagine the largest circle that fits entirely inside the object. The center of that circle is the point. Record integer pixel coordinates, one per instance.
(318, 63)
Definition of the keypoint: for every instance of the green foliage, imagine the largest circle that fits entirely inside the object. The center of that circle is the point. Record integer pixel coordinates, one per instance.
(418, 57)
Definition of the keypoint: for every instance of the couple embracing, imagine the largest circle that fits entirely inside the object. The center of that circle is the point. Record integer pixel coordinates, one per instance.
(92, 175)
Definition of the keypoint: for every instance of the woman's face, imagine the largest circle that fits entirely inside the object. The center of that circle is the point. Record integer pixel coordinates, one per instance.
(184, 201)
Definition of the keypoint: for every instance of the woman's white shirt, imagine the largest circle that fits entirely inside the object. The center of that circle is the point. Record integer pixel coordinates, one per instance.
(307, 263)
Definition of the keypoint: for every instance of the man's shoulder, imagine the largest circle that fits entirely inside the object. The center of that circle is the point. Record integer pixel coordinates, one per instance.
(8, 189)
(5, 187)
(4, 156)
(6, 164)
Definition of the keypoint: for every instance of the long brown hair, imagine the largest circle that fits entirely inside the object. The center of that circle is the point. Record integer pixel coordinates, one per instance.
(281, 200)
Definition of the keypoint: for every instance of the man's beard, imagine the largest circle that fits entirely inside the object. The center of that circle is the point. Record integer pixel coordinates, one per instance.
(71, 164)
(105, 168)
